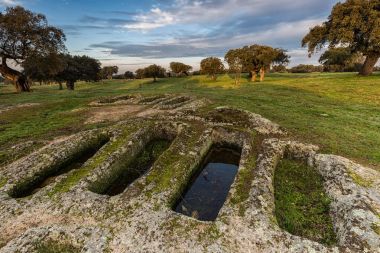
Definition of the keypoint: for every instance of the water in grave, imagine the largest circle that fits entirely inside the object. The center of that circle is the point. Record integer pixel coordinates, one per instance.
(74, 164)
(139, 166)
(209, 188)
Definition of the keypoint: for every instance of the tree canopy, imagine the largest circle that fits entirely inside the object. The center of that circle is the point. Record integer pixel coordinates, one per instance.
(180, 68)
(129, 75)
(306, 68)
(212, 66)
(108, 71)
(259, 58)
(354, 24)
(43, 68)
(24, 34)
(234, 59)
(139, 73)
(154, 71)
(254, 59)
(340, 59)
(78, 68)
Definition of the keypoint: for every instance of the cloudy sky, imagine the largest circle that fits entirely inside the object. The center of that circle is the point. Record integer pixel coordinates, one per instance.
(132, 33)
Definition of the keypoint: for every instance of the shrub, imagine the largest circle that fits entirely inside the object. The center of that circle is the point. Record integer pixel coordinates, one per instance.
(302, 68)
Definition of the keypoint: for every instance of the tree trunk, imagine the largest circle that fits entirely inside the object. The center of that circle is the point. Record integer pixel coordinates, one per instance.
(369, 64)
(213, 77)
(254, 75)
(60, 86)
(22, 84)
(262, 74)
(20, 81)
(154, 79)
(237, 78)
(70, 85)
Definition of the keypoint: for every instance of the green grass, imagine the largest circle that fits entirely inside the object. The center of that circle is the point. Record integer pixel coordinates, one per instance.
(340, 112)
(73, 178)
(302, 206)
(55, 247)
(138, 166)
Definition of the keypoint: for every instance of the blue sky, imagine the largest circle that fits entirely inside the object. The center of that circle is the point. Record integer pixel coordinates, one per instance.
(133, 34)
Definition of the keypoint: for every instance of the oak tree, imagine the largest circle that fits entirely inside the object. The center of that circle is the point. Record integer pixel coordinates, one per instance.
(25, 34)
(78, 68)
(235, 61)
(154, 71)
(129, 75)
(43, 68)
(353, 24)
(212, 66)
(108, 71)
(180, 68)
(340, 59)
(140, 73)
(257, 59)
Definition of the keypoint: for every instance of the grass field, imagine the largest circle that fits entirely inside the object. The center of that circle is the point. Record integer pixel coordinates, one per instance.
(340, 112)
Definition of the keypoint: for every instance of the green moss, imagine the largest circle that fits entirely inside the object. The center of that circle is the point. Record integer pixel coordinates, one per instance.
(244, 182)
(73, 178)
(128, 172)
(376, 228)
(9, 155)
(25, 188)
(3, 181)
(56, 247)
(302, 206)
(150, 153)
(245, 177)
(170, 161)
(213, 233)
(2, 243)
(360, 180)
(206, 232)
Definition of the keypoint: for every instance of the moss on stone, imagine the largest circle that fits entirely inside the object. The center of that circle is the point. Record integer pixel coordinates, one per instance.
(3, 181)
(168, 164)
(359, 180)
(244, 182)
(55, 247)
(244, 179)
(75, 176)
(139, 165)
(376, 227)
(2, 243)
(213, 232)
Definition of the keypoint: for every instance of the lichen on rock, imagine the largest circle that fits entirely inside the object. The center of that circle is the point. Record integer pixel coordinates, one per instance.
(70, 211)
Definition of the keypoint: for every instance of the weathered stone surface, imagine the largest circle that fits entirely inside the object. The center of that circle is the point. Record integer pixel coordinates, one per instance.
(141, 219)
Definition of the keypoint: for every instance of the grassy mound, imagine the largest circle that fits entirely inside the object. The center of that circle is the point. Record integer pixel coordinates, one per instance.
(302, 206)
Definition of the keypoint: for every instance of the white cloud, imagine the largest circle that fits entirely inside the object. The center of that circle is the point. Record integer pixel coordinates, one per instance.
(217, 12)
(154, 19)
(8, 2)
(199, 28)
(278, 35)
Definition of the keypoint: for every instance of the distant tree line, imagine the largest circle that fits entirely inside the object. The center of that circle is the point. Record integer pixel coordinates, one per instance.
(153, 71)
(108, 72)
(62, 68)
(39, 51)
